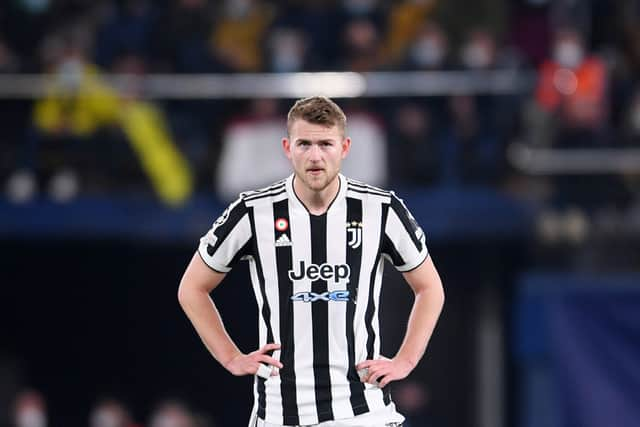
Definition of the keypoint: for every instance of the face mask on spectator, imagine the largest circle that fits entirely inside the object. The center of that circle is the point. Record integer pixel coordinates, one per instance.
(70, 73)
(427, 52)
(475, 56)
(287, 52)
(31, 417)
(105, 418)
(568, 54)
(236, 9)
(359, 7)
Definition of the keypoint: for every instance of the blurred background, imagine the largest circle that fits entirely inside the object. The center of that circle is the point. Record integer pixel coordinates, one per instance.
(511, 128)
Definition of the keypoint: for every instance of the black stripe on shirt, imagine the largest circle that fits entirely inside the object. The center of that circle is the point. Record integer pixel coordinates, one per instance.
(390, 249)
(354, 260)
(266, 316)
(274, 186)
(410, 224)
(320, 322)
(367, 191)
(368, 187)
(262, 196)
(224, 225)
(371, 304)
(284, 263)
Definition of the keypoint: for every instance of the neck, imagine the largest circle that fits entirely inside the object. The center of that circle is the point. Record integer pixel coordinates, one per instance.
(316, 201)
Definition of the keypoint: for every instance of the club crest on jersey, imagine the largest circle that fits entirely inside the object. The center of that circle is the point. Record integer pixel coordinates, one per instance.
(281, 224)
(354, 234)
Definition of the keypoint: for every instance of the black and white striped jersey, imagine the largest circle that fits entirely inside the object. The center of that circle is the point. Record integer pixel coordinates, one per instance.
(317, 282)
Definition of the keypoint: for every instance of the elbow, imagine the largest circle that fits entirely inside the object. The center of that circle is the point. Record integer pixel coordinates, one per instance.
(441, 296)
(183, 294)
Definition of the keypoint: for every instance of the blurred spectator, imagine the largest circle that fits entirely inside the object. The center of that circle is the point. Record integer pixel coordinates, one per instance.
(482, 52)
(9, 62)
(30, 410)
(238, 33)
(571, 111)
(173, 413)
(429, 51)
(573, 86)
(367, 157)
(13, 113)
(361, 49)
(471, 151)
(179, 40)
(251, 142)
(457, 16)
(414, 147)
(405, 22)
(126, 31)
(69, 126)
(110, 413)
(479, 51)
(369, 10)
(311, 18)
(286, 51)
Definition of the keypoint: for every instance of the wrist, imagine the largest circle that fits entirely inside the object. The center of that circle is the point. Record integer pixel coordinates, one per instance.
(229, 358)
(406, 360)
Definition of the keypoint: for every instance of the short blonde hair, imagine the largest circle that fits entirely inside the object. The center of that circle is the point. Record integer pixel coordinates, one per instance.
(318, 110)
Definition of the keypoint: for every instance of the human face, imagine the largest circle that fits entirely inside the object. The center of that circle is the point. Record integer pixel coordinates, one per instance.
(316, 153)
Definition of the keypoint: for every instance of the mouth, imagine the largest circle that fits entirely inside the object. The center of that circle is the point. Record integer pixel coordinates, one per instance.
(315, 171)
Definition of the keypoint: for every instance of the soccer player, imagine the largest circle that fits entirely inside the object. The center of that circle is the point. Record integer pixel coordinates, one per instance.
(316, 243)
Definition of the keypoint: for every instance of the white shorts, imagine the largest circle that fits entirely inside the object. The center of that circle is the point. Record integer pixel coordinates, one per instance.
(386, 417)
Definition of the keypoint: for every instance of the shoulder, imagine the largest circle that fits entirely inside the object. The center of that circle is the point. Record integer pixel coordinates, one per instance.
(273, 190)
(359, 189)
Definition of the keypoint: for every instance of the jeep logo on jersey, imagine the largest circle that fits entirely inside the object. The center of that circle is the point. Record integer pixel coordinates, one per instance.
(326, 271)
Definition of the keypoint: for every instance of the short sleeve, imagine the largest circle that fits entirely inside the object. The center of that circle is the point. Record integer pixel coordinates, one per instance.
(404, 241)
(228, 240)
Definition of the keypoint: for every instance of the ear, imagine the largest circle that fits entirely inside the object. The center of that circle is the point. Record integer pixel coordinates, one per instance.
(286, 146)
(346, 146)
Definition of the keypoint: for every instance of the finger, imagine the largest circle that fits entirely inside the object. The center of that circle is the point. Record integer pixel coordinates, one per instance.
(377, 374)
(275, 371)
(364, 364)
(363, 373)
(269, 347)
(370, 376)
(378, 379)
(263, 371)
(269, 360)
(384, 381)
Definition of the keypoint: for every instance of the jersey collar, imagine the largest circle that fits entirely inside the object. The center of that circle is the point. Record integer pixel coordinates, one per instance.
(342, 191)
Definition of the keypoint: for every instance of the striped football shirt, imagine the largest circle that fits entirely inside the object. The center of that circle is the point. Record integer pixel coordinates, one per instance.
(317, 282)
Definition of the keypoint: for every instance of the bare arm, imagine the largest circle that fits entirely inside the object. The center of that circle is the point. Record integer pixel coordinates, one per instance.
(196, 284)
(429, 299)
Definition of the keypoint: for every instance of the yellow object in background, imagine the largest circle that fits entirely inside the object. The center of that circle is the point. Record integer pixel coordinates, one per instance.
(165, 166)
(93, 104)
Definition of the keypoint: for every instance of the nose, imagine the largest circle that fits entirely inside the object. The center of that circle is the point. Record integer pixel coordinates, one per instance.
(315, 153)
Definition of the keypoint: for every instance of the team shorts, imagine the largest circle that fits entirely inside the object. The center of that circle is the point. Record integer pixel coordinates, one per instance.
(385, 417)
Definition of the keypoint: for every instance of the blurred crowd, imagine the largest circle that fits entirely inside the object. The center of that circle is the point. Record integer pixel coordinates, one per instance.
(87, 138)
(29, 409)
